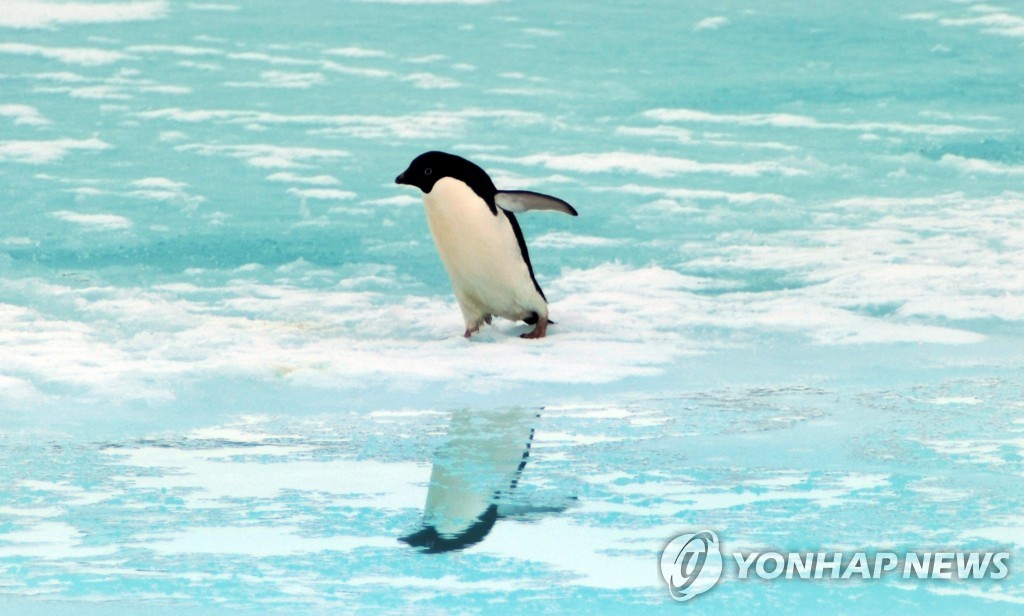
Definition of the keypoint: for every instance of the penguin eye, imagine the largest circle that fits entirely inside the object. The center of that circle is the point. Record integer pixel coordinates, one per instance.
(428, 171)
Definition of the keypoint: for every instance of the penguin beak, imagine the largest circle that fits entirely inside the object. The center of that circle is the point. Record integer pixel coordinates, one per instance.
(400, 179)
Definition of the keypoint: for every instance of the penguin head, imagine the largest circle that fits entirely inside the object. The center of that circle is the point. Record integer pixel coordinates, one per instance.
(427, 168)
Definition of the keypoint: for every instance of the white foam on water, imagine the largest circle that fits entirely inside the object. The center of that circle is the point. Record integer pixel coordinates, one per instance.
(179, 50)
(99, 222)
(524, 91)
(82, 56)
(430, 81)
(975, 165)
(946, 400)
(312, 180)
(410, 126)
(325, 65)
(344, 69)
(787, 120)
(42, 152)
(561, 239)
(269, 156)
(652, 165)
(325, 194)
(711, 23)
(973, 117)
(680, 135)
(545, 32)
(399, 200)
(60, 77)
(98, 92)
(698, 194)
(1000, 23)
(427, 59)
(507, 180)
(984, 8)
(921, 16)
(123, 85)
(282, 79)
(159, 183)
(23, 115)
(353, 51)
(48, 14)
(213, 6)
(515, 75)
(259, 56)
(200, 66)
(172, 135)
(148, 189)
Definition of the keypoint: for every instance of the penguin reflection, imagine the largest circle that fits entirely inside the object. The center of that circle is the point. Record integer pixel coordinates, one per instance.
(475, 472)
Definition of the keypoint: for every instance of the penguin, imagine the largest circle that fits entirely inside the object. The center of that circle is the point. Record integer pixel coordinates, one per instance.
(479, 240)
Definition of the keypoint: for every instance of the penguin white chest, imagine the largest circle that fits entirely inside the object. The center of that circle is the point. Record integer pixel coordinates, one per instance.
(481, 254)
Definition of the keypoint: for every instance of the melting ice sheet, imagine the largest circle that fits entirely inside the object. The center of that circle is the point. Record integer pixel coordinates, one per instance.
(789, 311)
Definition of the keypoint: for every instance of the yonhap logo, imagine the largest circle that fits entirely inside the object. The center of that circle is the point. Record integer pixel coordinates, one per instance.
(691, 564)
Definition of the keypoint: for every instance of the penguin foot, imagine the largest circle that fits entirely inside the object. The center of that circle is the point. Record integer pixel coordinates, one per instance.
(539, 331)
(476, 325)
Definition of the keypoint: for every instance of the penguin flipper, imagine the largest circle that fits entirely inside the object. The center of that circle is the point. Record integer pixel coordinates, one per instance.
(519, 201)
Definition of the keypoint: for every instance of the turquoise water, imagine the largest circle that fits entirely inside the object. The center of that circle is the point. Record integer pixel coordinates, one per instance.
(790, 310)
